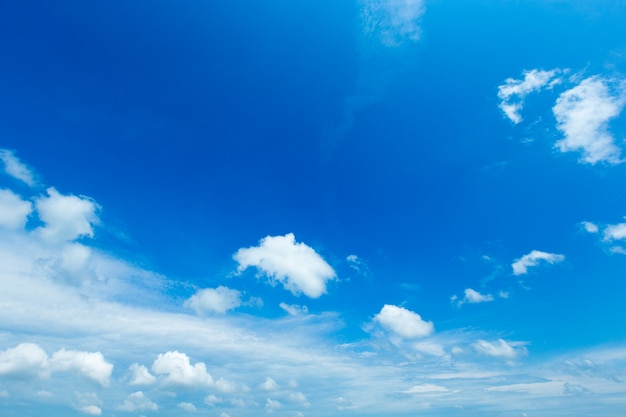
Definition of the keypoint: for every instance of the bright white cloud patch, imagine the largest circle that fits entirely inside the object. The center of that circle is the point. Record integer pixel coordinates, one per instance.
(66, 217)
(137, 401)
(90, 364)
(15, 168)
(513, 92)
(295, 265)
(141, 375)
(214, 300)
(392, 21)
(178, 370)
(92, 410)
(500, 348)
(615, 232)
(13, 210)
(472, 297)
(23, 361)
(520, 266)
(403, 322)
(583, 113)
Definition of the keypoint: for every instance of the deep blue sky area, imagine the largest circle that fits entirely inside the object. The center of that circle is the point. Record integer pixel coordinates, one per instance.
(312, 208)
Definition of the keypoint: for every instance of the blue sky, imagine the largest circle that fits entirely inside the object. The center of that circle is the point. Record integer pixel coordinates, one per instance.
(316, 208)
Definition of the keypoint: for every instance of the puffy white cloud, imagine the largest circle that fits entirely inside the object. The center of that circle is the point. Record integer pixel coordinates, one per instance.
(590, 227)
(23, 361)
(295, 265)
(583, 113)
(513, 92)
(141, 375)
(66, 217)
(520, 266)
(16, 168)
(179, 371)
(214, 300)
(92, 410)
(189, 407)
(90, 364)
(615, 232)
(392, 21)
(225, 386)
(13, 210)
(272, 405)
(294, 309)
(500, 348)
(472, 297)
(137, 401)
(403, 322)
(269, 385)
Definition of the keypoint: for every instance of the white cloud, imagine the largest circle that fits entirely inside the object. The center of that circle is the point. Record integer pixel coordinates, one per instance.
(583, 113)
(92, 410)
(590, 227)
(430, 348)
(23, 361)
(520, 266)
(615, 232)
(214, 300)
(403, 322)
(500, 348)
(90, 364)
(180, 372)
(212, 400)
(272, 405)
(66, 217)
(13, 210)
(513, 92)
(392, 22)
(137, 401)
(141, 375)
(426, 389)
(16, 168)
(189, 407)
(295, 265)
(472, 297)
(269, 385)
(225, 386)
(294, 309)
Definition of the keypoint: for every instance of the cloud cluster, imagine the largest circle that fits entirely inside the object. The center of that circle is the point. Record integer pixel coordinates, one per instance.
(282, 260)
(520, 266)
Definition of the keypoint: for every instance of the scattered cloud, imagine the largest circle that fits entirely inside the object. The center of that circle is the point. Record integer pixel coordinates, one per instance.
(189, 407)
(590, 227)
(295, 265)
(294, 309)
(90, 364)
(513, 91)
(137, 401)
(16, 168)
(272, 405)
(471, 297)
(179, 372)
(269, 385)
(392, 22)
(23, 361)
(92, 410)
(402, 322)
(520, 266)
(358, 265)
(615, 232)
(214, 300)
(582, 115)
(141, 375)
(500, 348)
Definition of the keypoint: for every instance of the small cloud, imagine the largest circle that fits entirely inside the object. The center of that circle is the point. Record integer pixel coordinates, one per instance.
(513, 92)
(582, 115)
(500, 348)
(269, 385)
(141, 375)
(212, 400)
(590, 227)
(294, 309)
(16, 168)
(520, 266)
(189, 407)
(472, 297)
(295, 265)
(358, 265)
(403, 322)
(214, 300)
(92, 410)
(426, 389)
(137, 401)
(179, 371)
(392, 22)
(272, 405)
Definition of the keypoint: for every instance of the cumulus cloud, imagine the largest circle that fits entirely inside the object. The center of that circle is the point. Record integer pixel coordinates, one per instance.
(295, 265)
(141, 375)
(294, 309)
(214, 300)
(272, 405)
(392, 22)
(513, 92)
(66, 217)
(90, 364)
(500, 348)
(23, 361)
(520, 266)
(189, 407)
(269, 385)
(179, 372)
(137, 401)
(582, 115)
(92, 410)
(16, 168)
(13, 210)
(472, 297)
(405, 323)
(615, 232)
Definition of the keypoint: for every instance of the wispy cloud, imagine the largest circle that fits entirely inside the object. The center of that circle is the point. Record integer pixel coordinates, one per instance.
(472, 297)
(16, 168)
(520, 266)
(392, 22)
(513, 92)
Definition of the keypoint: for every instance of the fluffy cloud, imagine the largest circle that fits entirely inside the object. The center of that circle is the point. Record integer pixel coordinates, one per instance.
(582, 115)
(92, 410)
(137, 401)
(615, 232)
(13, 210)
(272, 405)
(513, 92)
(500, 348)
(179, 371)
(214, 300)
(590, 227)
(66, 217)
(403, 322)
(90, 364)
(141, 375)
(15, 168)
(520, 266)
(392, 21)
(472, 297)
(295, 265)
(189, 407)
(23, 361)
(269, 385)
